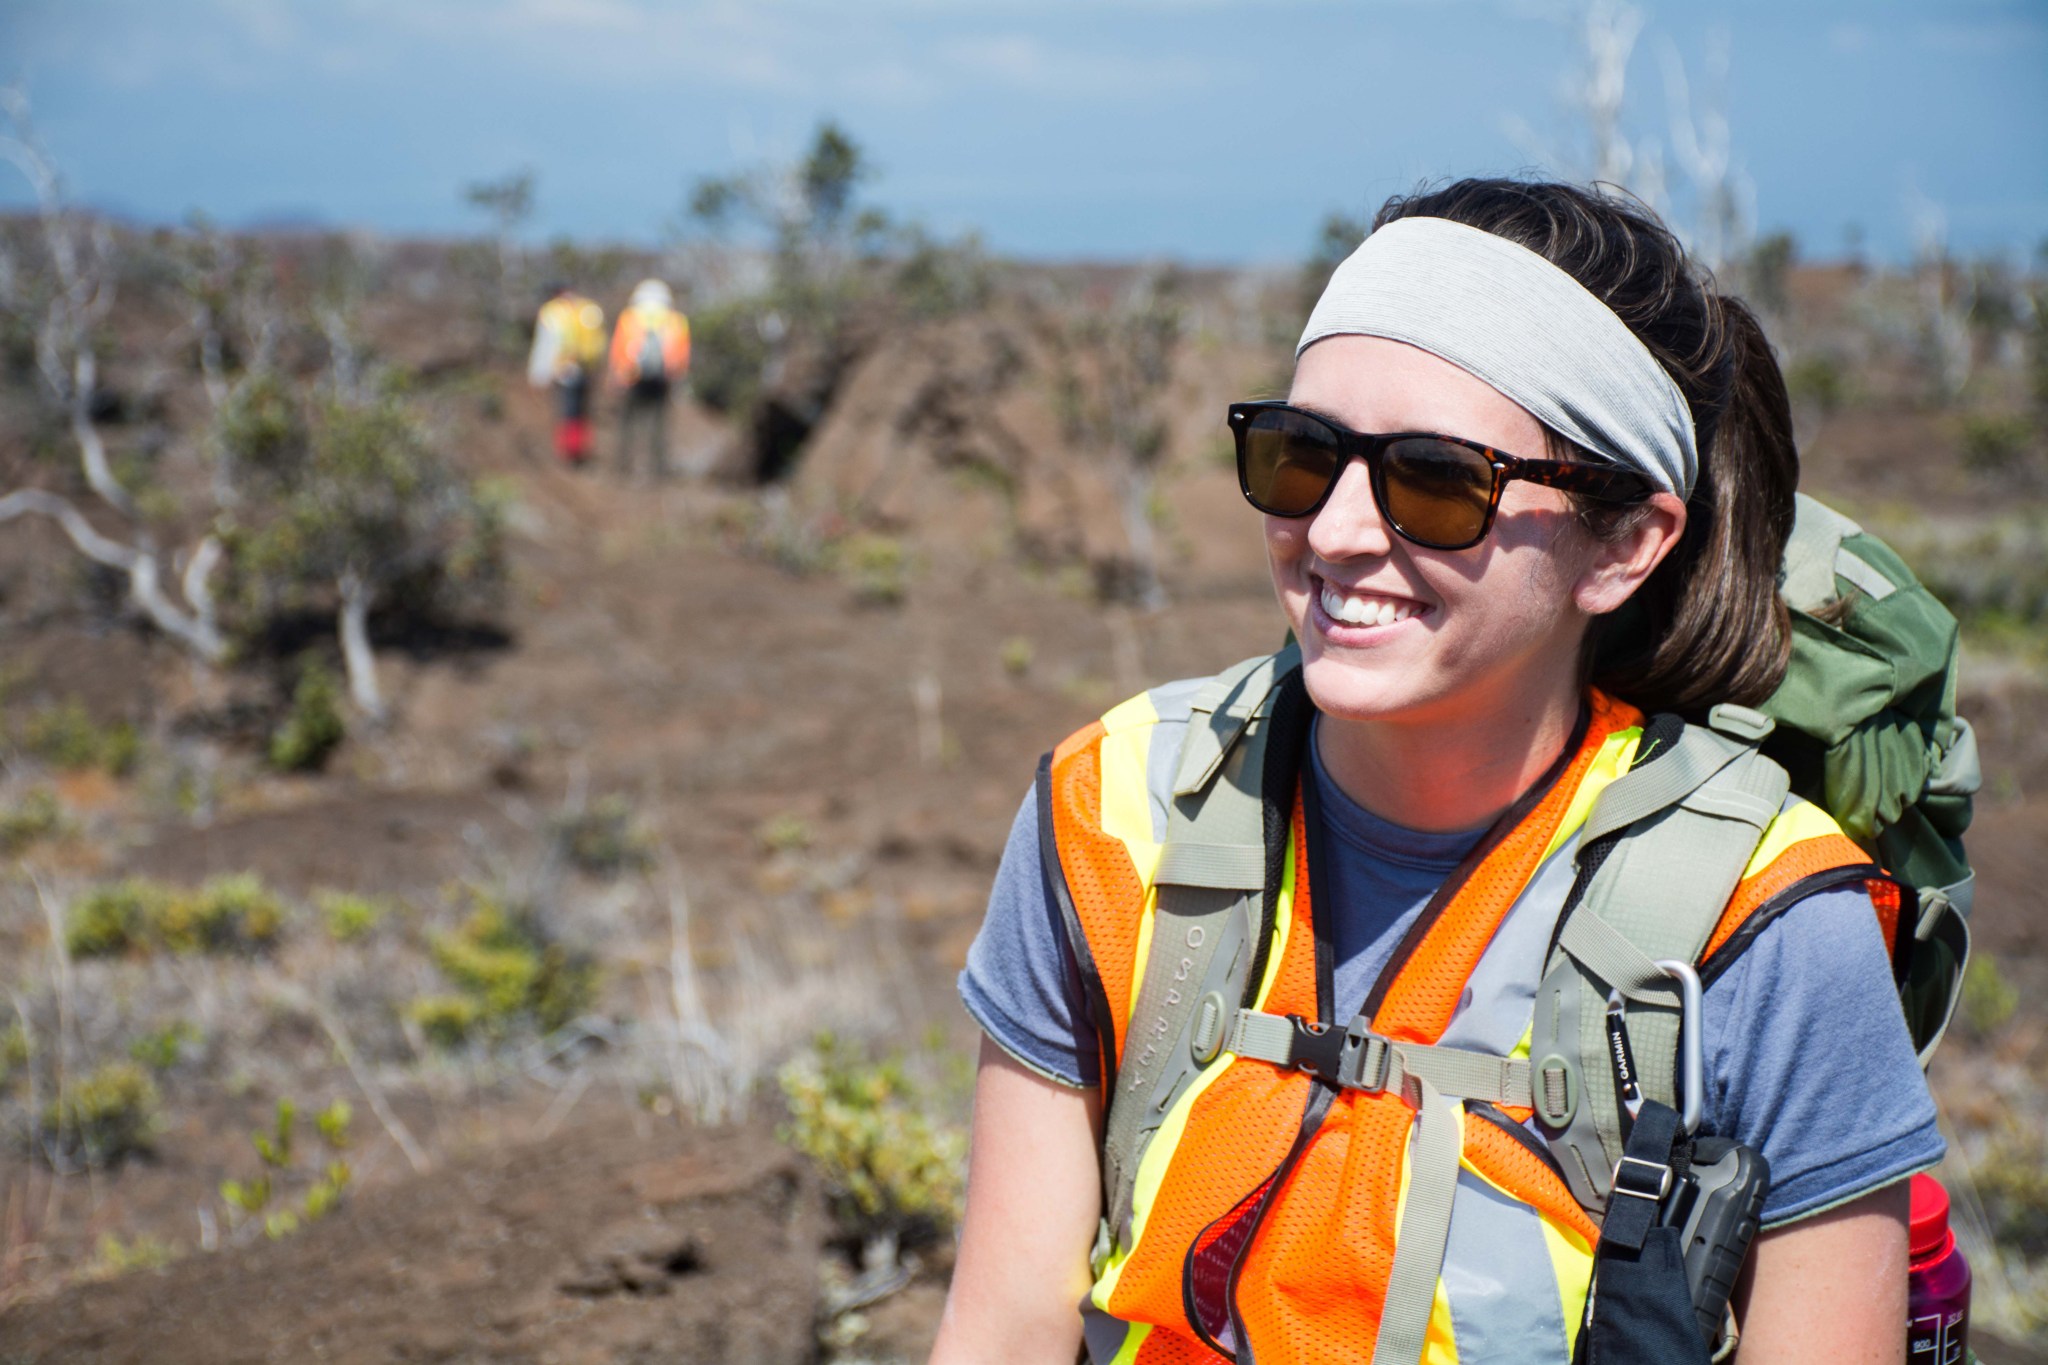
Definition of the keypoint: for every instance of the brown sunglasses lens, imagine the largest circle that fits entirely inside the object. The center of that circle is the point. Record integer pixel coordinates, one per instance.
(1288, 461)
(1437, 493)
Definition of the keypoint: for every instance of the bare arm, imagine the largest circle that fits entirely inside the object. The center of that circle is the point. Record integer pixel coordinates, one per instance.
(1831, 1288)
(1033, 1200)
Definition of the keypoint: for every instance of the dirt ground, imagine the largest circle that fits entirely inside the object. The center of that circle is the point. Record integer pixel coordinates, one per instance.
(644, 650)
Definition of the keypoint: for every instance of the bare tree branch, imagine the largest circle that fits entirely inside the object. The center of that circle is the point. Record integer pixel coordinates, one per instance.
(195, 629)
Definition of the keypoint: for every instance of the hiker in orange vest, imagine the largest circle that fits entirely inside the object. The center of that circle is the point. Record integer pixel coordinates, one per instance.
(650, 354)
(1301, 985)
(568, 343)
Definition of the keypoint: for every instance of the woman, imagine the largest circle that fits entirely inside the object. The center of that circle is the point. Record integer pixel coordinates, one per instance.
(1624, 436)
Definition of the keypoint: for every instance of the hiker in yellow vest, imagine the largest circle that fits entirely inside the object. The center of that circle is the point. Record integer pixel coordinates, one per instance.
(1524, 508)
(650, 354)
(568, 343)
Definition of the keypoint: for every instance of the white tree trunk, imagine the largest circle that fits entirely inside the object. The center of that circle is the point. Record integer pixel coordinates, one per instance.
(356, 599)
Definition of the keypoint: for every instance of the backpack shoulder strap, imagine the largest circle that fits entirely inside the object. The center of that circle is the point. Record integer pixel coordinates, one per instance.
(1659, 857)
(1209, 917)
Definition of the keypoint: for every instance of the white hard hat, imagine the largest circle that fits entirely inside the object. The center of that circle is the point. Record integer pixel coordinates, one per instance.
(651, 292)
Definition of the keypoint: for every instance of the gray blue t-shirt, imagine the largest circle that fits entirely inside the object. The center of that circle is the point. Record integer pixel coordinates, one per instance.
(1808, 1058)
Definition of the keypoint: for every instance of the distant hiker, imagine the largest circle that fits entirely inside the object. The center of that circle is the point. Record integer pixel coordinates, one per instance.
(568, 341)
(650, 351)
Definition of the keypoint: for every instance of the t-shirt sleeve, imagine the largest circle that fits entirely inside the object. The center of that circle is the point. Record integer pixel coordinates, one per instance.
(1022, 983)
(1809, 1060)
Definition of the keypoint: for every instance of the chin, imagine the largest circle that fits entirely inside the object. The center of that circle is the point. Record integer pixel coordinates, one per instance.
(1346, 690)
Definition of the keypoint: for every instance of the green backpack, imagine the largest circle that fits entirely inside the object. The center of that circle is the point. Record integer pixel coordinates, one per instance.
(1867, 729)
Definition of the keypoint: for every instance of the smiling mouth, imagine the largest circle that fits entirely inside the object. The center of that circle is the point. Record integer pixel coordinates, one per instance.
(1365, 608)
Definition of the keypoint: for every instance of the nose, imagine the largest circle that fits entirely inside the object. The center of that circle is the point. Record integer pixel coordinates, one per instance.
(1350, 524)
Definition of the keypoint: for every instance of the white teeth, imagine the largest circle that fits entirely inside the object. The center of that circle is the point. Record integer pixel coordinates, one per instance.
(1364, 611)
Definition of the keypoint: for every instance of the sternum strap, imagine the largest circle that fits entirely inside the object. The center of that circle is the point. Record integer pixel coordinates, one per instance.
(1359, 1059)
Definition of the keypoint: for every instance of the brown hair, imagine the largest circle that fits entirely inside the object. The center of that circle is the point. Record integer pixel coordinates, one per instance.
(1708, 626)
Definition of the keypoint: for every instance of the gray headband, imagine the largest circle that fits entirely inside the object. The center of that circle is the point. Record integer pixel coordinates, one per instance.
(1502, 313)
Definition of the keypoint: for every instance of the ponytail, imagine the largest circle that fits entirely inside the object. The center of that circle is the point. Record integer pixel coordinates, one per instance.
(1708, 625)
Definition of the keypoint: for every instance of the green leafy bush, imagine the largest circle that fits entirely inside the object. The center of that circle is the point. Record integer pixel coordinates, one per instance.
(228, 914)
(66, 736)
(784, 833)
(603, 839)
(349, 916)
(509, 969)
(890, 1165)
(1995, 441)
(37, 816)
(276, 1148)
(875, 568)
(15, 1052)
(314, 726)
(164, 1048)
(115, 1258)
(109, 1115)
(446, 1020)
(1988, 999)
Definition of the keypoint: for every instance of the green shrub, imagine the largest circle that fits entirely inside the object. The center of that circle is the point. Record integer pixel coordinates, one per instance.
(1016, 655)
(784, 833)
(1995, 441)
(115, 918)
(313, 728)
(228, 914)
(446, 1020)
(889, 1164)
(115, 1258)
(276, 1149)
(164, 1048)
(510, 971)
(1819, 380)
(14, 1053)
(37, 816)
(603, 839)
(1988, 999)
(2012, 1180)
(111, 1114)
(348, 916)
(875, 569)
(66, 736)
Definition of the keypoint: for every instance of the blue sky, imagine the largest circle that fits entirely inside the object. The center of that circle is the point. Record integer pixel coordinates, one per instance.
(1212, 130)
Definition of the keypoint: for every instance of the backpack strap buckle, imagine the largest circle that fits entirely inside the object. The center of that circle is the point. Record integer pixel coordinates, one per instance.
(1641, 1179)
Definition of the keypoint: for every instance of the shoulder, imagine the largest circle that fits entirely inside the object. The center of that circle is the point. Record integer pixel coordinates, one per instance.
(1810, 1060)
(1801, 855)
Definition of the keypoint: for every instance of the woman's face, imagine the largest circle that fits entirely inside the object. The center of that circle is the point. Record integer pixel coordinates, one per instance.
(1391, 631)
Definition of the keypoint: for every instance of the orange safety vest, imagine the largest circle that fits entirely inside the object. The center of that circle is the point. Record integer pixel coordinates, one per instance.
(672, 331)
(1267, 1207)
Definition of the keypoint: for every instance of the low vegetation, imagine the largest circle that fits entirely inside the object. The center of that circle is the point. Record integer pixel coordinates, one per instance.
(508, 971)
(230, 914)
(892, 1167)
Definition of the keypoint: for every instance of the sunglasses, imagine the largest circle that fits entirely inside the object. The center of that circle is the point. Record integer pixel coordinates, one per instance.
(1439, 492)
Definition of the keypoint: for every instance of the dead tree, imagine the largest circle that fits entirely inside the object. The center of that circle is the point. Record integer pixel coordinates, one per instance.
(80, 251)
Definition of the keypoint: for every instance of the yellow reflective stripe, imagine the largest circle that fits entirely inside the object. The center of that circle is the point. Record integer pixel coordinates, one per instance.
(1617, 751)
(1571, 1269)
(1133, 1339)
(1283, 923)
(1796, 823)
(1440, 1347)
(1152, 1171)
(1127, 809)
(1521, 1047)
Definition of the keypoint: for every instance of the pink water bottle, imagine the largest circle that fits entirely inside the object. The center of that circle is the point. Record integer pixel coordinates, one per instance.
(1938, 1283)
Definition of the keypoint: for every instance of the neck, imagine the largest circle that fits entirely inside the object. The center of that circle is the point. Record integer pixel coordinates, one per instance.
(1446, 775)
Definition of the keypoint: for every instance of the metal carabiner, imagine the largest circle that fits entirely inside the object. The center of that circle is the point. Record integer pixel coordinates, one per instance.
(1692, 1058)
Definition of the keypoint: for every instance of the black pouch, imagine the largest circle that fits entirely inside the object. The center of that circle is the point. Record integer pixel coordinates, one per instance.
(1640, 1308)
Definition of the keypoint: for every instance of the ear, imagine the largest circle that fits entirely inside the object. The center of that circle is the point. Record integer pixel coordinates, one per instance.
(1618, 567)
